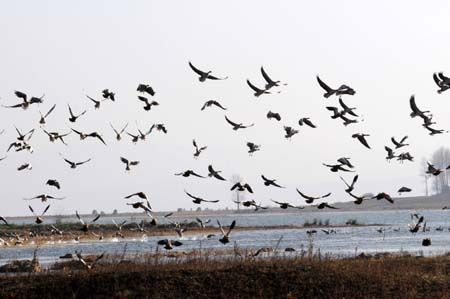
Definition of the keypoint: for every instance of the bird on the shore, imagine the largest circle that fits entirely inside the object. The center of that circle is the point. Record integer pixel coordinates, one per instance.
(204, 75)
(270, 83)
(441, 81)
(226, 236)
(237, 126)
(88, 264)
(74, 165)
(362, 138)
(337, 167)
(350, 187)
(325, 205)
(241, 187)
(269, 182)
(215, 173)
(285, 205)
(169, 244)
(53, 183)
(403, 190)
(273, 115)
(211, 103)
(43, 117)
(108, 95)
(119, 133)
(253, 147)
(128, 163)
(383, 195)
(145, 88)
(73, 118)
(199, 200)
(289, 132)
(45, 197)
(258, 91)
(306, 121)
(310, 199)
(198, 150)
(39, 219)
(401, 143)
(148, 104)
(435, 171)
(390, 154)
(84, 224)
(202, 222)
(188, 173)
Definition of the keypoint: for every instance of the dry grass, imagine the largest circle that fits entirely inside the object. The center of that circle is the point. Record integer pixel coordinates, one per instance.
(236, 277)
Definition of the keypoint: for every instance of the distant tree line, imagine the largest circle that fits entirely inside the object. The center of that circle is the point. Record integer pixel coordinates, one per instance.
(439, 184)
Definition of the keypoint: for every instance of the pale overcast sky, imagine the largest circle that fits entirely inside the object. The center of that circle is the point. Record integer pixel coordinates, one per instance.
(385, 50)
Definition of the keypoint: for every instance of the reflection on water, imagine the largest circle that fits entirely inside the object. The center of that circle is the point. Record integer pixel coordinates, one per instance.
(348, 240)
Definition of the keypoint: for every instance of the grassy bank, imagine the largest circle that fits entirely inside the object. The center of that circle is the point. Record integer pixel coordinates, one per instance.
(398, 277)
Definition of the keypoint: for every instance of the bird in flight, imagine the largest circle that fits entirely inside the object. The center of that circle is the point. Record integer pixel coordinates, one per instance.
(73, 118)
(204, 75)
(237, 126)
(212, 103)
(310, 199)
(269, 182)
(199, 200)
(258, 91)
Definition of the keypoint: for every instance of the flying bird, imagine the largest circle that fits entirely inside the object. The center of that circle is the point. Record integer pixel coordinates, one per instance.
(362, 138)
(401, 143)
(118, 133)
(347, 109)
(148, 104)
(128, 163)
(212, 103)
(237, 126)
(108, 95)
(53, 183)
(84, 224)
(383, 195)
(168, 244)
(188, 173)
(252, 147)
(146, 88)
(204, 75)
(74, 165)
(198, 150)
(226, 236)
(325, 205)
(306, 121)
(199, 200)
(310, 199)
(39, 218)
(351, 186)
(273, 115)
(269, 182)
(73, 118)
(285, 205)
(270, 83)
(43, 117)
(336, 167)
(241, 187)
(435, 171)
(215, 173)
(45, 197)
(441, 81)
(289, 132)
(403, 190)
(96, 102)
(258, 91)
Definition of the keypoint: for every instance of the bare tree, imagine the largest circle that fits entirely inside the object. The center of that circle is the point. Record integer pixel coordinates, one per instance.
(441, 159)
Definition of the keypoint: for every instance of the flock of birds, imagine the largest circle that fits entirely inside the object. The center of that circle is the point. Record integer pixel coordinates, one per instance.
(342, 112)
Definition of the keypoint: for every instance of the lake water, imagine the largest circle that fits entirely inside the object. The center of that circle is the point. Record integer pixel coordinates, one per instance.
(347, 241)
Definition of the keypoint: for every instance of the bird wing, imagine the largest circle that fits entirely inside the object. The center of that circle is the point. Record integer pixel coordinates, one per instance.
(256, 89)
(395, 142)
(249, 189)
(403, 139)
(323, 85)
(219, 105)
(436, 80)
(264, 178)
(20, 95)
(266, 77)
(81, 163)
(92, 99)
(192, 196)
(230, 122)
(96, 218)
(69, 162)
(412, 104)
(50, 111)
(79, 218)
(304, 195)
(363, 140)
(196, 70)
(233, 224)
(326, 195)
(221, 228)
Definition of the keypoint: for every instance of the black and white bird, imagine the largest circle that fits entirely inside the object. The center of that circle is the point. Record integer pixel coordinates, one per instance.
(39, 218)
(226, 236)
(107, 94)
(241, 187)
(188, 173)
(84, 224)
(74, 165)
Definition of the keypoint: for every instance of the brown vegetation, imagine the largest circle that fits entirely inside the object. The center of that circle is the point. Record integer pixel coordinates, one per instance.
(298, 277)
